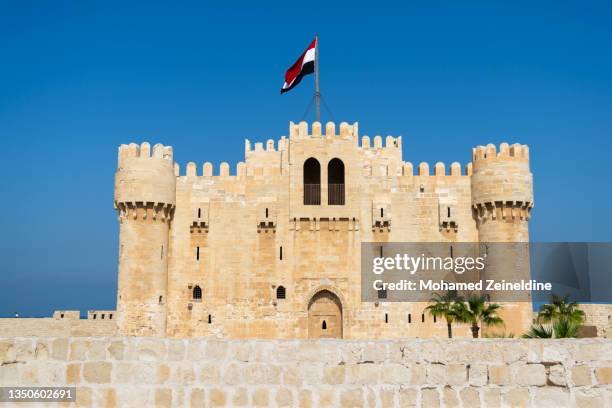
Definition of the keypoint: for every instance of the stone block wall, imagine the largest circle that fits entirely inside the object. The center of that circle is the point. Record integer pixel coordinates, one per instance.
(119, 371)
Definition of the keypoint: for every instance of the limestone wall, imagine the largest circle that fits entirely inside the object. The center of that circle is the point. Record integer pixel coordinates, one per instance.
(427, 373)
(17, 327)
(600, 316)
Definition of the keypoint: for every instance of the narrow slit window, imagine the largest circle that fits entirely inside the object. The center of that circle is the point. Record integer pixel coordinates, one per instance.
(281, 253)
(161, 298)
(162, 252)
(209, 319)
(199, 212)
(281, 292)
(324, 325)
(386, 317)
(197, 293)
(409, 318)
(451, 251)
(434, 318)
(95, 315)
(102, 316)
(423, 318)
(266, 213)
(110, 316)
(197, 253)
(381, 251)
(448, 212)
(382, 212)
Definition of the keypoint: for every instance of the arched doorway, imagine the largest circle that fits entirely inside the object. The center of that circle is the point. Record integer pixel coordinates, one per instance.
(325, 316)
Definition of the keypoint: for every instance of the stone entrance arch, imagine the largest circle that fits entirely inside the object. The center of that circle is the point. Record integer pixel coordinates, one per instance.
(324, 316)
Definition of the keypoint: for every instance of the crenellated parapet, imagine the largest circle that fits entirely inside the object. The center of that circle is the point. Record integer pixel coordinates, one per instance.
(145, 184)
(345, 130)
(439, 170)
(502, 183)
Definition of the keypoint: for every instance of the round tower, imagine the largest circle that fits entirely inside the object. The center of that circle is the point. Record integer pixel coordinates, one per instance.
(502, 198)
(145, 196)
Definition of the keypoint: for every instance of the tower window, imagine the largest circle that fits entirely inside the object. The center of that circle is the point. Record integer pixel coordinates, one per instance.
(434, 318)
(110, 316)
(162, 252)
(62, 316)
(102, 316)
(335, 182)
(381, 251)
(382, 293)
(382, 212)
(409, 318)
(266, 213)
(312, 182)
(281, 253)
(386, 317)
(95, 315)
(423, 318)
(448, 212)
(197, 293)
(199, 212)
(451, 251)
(197, 253)
(209, 319)
(281, 292)
(324, 325)
(161, 298)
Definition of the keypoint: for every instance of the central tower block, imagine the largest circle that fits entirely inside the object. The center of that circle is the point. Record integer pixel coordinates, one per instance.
(145, 198)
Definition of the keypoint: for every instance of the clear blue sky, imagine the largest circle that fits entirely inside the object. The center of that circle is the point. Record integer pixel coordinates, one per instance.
(79, 78)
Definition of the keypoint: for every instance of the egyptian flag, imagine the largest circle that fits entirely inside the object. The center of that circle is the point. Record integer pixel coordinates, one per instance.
(303, 66)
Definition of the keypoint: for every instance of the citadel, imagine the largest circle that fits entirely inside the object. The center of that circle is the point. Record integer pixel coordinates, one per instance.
(273, 249)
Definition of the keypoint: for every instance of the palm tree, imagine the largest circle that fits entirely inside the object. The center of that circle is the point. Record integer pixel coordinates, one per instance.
(539, 331)
(475, 311)
(444, 306)
(560, 309)
(560, 329)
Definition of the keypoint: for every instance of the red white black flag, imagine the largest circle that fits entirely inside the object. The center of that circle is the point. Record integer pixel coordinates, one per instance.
(303, 66)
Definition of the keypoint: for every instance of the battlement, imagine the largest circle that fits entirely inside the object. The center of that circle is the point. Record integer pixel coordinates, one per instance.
(300, 131)
(207, 170)
(516, 152)
(423, 170)
(390, 142)
(143, 151)
(269, 146)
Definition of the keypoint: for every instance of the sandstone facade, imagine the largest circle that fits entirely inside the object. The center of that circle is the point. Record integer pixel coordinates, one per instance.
(273, 250)
(138, 372)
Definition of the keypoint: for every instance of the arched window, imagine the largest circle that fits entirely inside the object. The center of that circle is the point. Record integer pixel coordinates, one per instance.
(335, 182)
(312, 182)
(324, 325)
(197, 292)
(281, 292)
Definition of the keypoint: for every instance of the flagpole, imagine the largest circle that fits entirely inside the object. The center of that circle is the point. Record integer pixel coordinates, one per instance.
(318, 112)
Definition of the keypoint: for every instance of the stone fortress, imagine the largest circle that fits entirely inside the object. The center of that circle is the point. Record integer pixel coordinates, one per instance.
(273, 250)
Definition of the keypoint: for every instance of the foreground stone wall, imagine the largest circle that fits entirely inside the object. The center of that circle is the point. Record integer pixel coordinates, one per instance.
(50, 327)
(326, 373)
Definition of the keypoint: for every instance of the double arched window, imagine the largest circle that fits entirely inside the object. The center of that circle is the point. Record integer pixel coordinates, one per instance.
(312, 182)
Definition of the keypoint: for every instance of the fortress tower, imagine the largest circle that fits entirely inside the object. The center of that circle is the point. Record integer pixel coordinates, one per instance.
(502, 198)
(145, 196)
